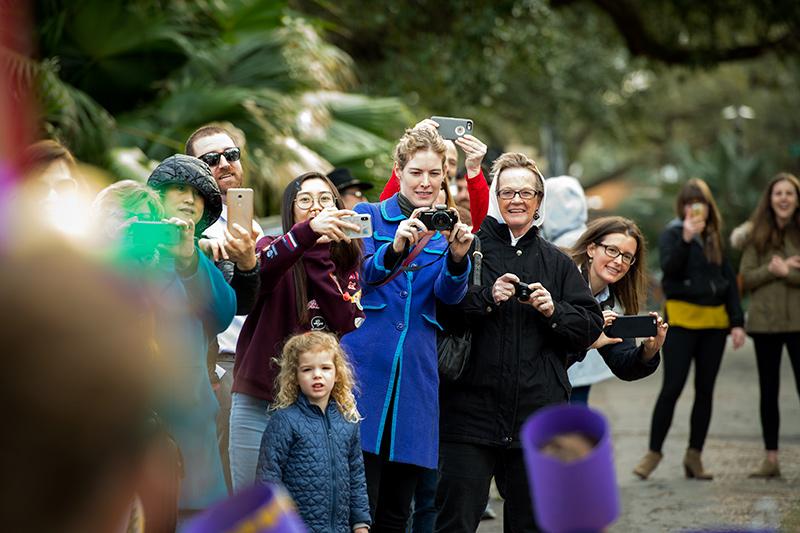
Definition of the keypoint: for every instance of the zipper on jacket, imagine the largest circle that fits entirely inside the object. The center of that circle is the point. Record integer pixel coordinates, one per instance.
(328, 430)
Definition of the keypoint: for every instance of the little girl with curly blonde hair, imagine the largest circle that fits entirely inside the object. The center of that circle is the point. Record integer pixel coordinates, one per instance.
(312, 443)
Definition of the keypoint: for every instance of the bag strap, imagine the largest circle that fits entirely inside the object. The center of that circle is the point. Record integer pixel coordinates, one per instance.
(477, 260)
(406, 262)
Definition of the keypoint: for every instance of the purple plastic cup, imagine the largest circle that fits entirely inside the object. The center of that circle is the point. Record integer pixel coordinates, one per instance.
(259, 509)
(579, 496)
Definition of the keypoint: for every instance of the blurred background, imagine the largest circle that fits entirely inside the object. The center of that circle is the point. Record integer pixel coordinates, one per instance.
(632, 98)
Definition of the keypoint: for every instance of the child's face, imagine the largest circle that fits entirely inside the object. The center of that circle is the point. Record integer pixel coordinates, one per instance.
(184, 202)
(316, 374)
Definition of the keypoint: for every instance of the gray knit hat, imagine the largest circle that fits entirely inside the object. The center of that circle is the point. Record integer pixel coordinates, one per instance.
(184, 169)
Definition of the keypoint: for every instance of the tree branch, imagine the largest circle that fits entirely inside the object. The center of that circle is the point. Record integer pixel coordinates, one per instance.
(640, 42)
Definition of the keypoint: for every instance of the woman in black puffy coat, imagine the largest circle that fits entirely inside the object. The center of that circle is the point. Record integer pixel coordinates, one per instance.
(519, 353)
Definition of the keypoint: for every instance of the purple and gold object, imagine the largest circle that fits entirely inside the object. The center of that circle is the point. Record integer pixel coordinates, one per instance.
(259, 509)
(579, 495)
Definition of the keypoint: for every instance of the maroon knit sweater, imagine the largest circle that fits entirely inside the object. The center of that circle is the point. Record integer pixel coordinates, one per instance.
(273, 320)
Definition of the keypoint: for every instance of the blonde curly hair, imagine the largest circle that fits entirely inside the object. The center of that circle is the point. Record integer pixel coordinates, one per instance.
(344, 385)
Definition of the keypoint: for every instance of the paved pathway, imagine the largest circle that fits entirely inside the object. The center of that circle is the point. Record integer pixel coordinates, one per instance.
(670, 502)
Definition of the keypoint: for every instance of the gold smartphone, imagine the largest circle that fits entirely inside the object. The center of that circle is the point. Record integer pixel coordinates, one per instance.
(240, 208)
(697, 210)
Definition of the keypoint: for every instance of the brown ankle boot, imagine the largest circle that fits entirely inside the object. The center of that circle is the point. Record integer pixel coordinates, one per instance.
(767, 470)
(648, 463)
(693, 466)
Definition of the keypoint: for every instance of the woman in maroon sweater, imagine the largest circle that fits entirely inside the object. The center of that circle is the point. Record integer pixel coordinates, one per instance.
(309, 281)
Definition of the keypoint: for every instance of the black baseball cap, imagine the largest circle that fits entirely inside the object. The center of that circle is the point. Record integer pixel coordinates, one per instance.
(343, 179)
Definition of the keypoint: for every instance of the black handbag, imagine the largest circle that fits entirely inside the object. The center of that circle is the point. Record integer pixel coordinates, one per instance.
(454, 348)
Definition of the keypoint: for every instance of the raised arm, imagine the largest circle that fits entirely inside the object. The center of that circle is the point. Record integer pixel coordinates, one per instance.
(213, 298)
(278, 255)
(478, 190)
(673, 252)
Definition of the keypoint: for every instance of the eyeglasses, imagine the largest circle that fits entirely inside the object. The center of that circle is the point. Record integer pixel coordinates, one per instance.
(212, 158)
(305, 200)
(613, 252)
(356, 193)
(525, 194)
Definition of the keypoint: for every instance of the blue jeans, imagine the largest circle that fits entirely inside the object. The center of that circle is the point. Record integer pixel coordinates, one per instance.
(580, 395)
(249, 418)
(423, 519)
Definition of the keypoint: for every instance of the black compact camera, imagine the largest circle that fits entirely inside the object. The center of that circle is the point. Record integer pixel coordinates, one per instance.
(439, 218)
(522, 291)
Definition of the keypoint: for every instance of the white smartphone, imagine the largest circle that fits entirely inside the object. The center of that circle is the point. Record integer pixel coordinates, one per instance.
(364, 223)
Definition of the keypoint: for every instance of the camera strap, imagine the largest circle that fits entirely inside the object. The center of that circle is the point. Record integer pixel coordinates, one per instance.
(405, 265)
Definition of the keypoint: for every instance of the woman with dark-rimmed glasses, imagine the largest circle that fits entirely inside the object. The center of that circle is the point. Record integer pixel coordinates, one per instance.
(518, 360)
(309, 281)
(611, 255)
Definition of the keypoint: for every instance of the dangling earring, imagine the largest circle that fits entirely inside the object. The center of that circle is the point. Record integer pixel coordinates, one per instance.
(590, 260)
(536, 215)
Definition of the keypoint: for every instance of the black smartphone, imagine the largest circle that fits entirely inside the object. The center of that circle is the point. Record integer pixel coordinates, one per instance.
(632, 327)
(452, 128)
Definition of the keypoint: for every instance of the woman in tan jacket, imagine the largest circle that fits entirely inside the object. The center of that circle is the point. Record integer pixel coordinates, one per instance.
(770, 271)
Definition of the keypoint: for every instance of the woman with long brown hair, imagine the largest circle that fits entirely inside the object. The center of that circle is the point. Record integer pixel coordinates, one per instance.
(309, 281)
(702, 307)
(770, 271)
(611, 255)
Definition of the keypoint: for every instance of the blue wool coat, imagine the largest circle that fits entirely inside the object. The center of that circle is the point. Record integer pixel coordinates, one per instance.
(394, 352)
(317, 457)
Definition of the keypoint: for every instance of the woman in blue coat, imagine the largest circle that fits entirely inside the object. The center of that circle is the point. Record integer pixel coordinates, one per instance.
(406, 268)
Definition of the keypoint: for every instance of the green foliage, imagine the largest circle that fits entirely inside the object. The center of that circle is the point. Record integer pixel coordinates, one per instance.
(144, 74)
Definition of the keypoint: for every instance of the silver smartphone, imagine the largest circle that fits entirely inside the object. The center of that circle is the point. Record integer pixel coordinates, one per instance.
(452, 128)
(364, 223)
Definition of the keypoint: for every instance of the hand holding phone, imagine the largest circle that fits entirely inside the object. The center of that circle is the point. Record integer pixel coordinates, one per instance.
(240, 246)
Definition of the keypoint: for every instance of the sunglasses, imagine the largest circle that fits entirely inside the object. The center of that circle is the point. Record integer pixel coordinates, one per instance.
(212, 158)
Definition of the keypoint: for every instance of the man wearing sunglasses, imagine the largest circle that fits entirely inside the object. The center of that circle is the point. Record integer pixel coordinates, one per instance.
(234, 254)
(215, 147)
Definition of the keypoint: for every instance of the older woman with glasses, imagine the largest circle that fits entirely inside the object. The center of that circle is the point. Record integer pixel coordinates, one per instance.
(309, 281)
(520, 346)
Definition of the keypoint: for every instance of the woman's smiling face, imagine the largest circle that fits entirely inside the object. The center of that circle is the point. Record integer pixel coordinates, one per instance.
(606, 269)
(421, 178)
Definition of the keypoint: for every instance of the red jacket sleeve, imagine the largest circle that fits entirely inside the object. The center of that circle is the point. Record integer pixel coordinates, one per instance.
(478, 190)
(393, 186)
